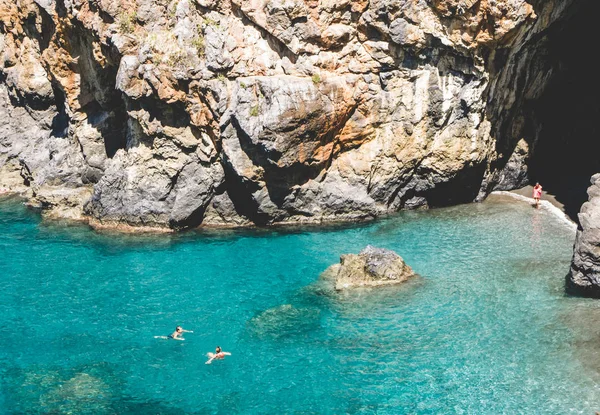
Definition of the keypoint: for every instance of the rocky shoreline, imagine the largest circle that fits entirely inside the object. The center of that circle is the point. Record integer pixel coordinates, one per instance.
(74, 213)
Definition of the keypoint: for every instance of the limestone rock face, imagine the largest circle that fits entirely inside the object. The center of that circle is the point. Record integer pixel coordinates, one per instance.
(372, 267)
(584, 276)
(172, 114)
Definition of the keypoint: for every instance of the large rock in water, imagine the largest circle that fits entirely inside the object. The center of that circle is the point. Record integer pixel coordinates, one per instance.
(372, 267)
(584, 276)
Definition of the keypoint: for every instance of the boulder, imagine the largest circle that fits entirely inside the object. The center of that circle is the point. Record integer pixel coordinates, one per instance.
(372, 267)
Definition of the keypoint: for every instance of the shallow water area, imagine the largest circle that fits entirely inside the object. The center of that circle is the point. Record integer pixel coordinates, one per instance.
(485, 329)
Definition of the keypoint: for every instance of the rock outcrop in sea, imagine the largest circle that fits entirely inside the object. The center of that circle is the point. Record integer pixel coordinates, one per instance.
(171, 114)
(584, 276)
(372, 267)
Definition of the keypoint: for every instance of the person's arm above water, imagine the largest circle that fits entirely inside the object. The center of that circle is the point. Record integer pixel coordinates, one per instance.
(219, 355)
(177, 335)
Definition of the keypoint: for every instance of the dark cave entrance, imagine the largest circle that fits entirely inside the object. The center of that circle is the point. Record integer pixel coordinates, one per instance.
(567, 152)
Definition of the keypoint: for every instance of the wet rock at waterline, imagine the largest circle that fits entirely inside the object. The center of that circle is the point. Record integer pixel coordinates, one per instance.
(372, 267)
(584, 276)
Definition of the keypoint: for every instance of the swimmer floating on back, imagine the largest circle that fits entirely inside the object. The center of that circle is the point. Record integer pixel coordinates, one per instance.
(176, 335)
(218, 354)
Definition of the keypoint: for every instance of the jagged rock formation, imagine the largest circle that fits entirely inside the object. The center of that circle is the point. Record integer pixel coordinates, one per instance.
(372, 267)
(169, 114)
(584, 276)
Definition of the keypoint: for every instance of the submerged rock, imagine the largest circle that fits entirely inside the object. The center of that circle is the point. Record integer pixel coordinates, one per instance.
(284, 320)
(372, 267)
(584, 276)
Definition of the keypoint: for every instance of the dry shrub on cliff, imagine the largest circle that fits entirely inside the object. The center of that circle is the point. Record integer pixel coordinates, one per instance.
(127, 22)
(199, 45)
(179, 61)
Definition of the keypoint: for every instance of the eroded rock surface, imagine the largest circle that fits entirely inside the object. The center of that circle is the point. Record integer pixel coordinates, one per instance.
(372, 267)
(584, 276)
(172, 114)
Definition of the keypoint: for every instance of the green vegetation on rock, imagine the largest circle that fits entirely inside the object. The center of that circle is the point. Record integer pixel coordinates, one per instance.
(127, 22)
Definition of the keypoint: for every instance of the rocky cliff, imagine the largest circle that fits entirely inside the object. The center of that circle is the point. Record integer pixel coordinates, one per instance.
(584, 276)
(170, 114)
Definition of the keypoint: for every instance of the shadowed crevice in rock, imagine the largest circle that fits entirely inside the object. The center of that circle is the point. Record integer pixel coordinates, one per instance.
(98, 99)
(61, 9)
(48, 29)
(240, 193)
(462, 188)
(111, 124)
(104, 108)
(60, 122)
(106, 17)
(171, 115)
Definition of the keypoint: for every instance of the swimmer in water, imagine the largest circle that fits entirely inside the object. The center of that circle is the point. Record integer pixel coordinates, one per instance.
(178, 333)
(218, 354)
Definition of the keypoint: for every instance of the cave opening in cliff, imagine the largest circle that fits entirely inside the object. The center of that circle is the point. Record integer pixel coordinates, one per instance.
(60, 122)
(567, 150)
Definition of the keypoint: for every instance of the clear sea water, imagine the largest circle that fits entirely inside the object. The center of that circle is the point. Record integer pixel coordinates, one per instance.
(485, 329)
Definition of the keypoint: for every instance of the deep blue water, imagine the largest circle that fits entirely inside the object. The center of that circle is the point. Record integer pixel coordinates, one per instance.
(485, 329)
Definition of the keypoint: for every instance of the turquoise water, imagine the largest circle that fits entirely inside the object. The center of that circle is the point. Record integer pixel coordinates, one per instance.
(485, 329)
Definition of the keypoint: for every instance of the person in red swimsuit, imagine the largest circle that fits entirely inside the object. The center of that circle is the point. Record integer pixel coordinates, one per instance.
(537, 194)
